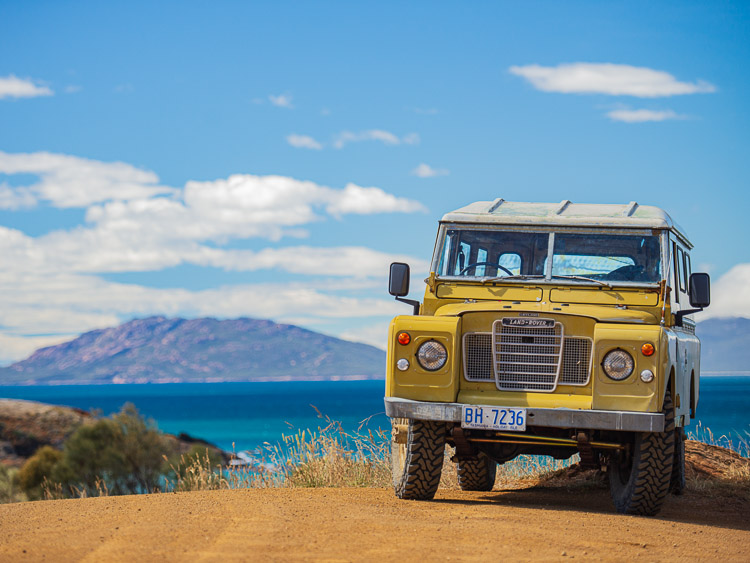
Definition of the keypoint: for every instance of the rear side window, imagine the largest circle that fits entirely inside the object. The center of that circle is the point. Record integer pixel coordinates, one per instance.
(679, 270)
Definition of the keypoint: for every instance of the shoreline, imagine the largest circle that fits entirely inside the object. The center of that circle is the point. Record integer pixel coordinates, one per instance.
(174, 381)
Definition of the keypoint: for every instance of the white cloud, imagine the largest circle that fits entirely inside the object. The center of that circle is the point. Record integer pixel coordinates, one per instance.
(367, 201)
(159, 232)
(281, 101)
(73, 89)
(730, 294)
(136, 229)
(341, 261)
(427, 171)
(303, 142)
(13, 87)
(386, 137)
(15, 198)
(608, 78)
(643, 115)
(374, 335)
(69, 181)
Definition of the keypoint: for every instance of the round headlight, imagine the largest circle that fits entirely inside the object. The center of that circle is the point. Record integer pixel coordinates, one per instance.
(432, 355)
(618, 364)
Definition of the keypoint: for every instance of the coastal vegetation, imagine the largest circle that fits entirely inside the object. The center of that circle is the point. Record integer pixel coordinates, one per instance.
(119, 455)
(126, 454)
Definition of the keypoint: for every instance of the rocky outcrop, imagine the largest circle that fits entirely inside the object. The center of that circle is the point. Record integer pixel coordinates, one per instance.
(25, 426)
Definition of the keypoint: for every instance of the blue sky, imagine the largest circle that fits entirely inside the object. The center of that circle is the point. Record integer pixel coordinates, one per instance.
(270, 159)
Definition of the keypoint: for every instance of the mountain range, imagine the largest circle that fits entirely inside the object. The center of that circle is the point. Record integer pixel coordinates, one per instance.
(159, 350)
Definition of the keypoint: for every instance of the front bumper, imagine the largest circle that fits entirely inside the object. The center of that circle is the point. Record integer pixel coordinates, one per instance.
(554, 418)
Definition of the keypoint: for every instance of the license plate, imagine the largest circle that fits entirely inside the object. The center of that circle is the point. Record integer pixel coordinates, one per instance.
(493, 418)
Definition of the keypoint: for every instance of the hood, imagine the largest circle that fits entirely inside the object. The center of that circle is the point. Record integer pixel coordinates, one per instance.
(601, 313)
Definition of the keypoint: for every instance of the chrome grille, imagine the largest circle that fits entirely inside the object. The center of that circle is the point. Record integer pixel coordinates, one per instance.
(478, 356)
(527, 365)
(526, 358)
(576, 361)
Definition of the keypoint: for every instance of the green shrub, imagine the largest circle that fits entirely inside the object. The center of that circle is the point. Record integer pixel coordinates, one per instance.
(40, 466)
(119, 455)
(123, 452)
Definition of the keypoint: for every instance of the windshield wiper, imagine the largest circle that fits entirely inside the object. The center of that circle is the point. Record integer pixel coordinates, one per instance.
(582, 278)
(516, 277)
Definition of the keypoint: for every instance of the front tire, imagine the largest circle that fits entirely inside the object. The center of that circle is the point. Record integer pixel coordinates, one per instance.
(476, 474)
(640, 481)
(417, 453)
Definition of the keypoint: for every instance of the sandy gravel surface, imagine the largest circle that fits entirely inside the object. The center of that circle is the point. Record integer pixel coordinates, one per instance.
(370, 524)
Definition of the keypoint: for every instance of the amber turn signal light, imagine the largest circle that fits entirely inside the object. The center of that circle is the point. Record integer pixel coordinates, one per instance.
(403, 338)
(648, 349)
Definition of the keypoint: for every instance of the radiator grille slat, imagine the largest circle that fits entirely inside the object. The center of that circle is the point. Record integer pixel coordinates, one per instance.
(525, 366)
(538, 367)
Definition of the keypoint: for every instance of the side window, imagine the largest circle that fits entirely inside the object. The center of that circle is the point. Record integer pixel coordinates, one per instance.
(511, 261)
(680, 270)
(676, 259)
(687, 269)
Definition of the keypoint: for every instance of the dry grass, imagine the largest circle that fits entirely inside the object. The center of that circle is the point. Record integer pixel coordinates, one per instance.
(332, 457)
(195, 473)
(10, 489)
(739, 443)
(733, 479)
(329, 457)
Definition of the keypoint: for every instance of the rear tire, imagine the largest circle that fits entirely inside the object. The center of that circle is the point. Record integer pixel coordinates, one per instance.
(417, 453)
(677, 484)
(639, 482)
(476, 474)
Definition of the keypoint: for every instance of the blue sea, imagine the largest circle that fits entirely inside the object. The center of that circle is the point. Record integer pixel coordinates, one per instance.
(249, 414)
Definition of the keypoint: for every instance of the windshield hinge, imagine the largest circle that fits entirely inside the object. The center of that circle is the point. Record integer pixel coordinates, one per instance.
(430, 281)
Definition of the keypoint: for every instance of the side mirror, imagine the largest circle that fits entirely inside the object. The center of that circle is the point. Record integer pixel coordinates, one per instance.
(398, 282)
(700, 290)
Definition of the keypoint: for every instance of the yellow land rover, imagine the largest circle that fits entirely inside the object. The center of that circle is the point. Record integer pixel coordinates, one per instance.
(548, 329)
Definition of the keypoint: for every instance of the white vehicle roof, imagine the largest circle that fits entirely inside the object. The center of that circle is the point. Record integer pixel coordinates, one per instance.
(566, 213)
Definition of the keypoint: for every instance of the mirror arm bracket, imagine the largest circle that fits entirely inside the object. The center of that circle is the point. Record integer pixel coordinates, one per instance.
(411, 302)
(679, 314)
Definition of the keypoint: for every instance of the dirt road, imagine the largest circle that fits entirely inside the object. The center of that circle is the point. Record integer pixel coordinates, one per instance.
(370, 524)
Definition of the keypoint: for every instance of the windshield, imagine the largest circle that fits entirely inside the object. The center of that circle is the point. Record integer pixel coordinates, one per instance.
(595, 257)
